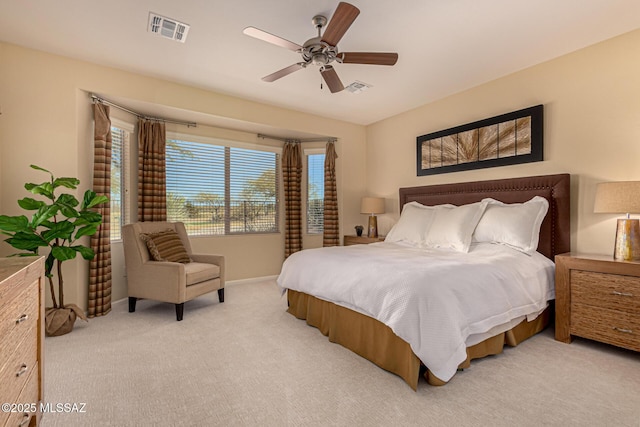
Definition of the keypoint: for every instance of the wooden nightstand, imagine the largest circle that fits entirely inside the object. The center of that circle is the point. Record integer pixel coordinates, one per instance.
(361, 240)
(598, 298)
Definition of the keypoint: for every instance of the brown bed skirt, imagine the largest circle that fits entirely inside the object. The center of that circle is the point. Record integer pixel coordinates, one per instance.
(376, 342)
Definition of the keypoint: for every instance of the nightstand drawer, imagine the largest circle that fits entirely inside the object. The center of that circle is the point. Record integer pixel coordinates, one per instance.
(612, 291)
(611, 326)
(361, 240)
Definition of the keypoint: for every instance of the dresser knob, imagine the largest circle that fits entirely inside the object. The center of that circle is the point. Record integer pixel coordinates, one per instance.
(622, 294)
(22, 318)
(626, 331)
(23, 370)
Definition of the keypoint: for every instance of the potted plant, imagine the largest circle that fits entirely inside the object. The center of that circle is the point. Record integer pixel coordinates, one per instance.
(56, 224)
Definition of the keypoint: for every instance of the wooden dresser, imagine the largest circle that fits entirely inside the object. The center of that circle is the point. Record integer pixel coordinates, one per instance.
(599, 299)
(22, 336)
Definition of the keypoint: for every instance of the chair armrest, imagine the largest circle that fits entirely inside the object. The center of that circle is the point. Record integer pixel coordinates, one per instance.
(211, 259)
(159, 280)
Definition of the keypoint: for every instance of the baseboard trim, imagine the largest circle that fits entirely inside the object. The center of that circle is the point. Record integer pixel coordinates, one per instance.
(250, 280)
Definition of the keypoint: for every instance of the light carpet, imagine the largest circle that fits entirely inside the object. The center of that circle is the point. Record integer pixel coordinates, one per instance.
(246, 362)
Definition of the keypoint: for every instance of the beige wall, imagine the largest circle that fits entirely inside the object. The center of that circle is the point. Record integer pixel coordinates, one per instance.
(591, 130)
(46, 120)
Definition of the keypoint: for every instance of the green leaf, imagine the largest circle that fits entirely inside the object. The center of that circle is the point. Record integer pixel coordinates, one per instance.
(88, 230)
(69, 212)
(45, 189)
(48, 265)
(60, 230)
(87, 253)
(67, 204)
(26, 241)
(30, 204)
(99, 200)
(41, 169)
(63, 253)
(43, 214)
(68, 199)
(89, 218)
(14, 223)
(91, 199)
(66, 182)
(47, 224)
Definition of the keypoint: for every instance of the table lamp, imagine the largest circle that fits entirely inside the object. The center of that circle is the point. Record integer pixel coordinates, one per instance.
(622, 197)
(372, 206)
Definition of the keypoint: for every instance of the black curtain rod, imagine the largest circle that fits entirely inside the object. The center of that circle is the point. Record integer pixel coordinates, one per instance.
(97, 98)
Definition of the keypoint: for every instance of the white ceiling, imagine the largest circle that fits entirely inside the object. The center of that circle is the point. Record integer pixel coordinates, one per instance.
(444, 46)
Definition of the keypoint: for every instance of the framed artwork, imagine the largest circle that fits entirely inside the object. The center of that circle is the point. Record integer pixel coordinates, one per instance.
(507, 139)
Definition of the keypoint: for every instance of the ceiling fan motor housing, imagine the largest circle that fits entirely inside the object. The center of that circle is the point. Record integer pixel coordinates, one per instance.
(317, 52)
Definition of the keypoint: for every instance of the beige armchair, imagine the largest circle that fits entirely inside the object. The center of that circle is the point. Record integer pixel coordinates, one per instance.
(173, 282)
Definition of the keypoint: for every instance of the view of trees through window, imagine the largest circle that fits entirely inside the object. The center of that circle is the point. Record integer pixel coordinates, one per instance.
(315, 193)
(118, 146)
(219, 190)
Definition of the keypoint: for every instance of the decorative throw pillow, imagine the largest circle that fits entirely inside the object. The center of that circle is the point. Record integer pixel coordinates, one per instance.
(413, 224)
(516, 225)
(452, 227)
(166, 246)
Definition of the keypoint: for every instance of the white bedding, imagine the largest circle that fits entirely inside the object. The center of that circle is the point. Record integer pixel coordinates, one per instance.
(438, 301)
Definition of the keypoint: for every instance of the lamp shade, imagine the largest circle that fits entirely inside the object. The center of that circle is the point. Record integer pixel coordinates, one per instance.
(372, 205)
(617, 197)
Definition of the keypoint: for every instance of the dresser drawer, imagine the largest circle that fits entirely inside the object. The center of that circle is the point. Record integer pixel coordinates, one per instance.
(18, 318)
(615, 327)
(19, 279)
(18, 367)
(613, 291)
(28, 401)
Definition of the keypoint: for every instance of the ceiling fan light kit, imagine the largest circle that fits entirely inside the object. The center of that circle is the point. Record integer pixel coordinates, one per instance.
(322, 50)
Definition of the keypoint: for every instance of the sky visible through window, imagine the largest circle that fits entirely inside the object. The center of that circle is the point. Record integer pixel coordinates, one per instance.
(184, 159)
(220, 189)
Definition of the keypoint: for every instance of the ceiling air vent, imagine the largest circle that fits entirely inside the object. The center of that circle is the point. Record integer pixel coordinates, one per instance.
(357, 87)
(167, 27)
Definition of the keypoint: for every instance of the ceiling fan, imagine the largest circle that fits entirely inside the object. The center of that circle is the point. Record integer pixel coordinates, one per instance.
(323, 49)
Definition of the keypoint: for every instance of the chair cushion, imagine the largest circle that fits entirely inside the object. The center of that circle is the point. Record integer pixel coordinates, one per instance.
(199, 272)
(165, 246)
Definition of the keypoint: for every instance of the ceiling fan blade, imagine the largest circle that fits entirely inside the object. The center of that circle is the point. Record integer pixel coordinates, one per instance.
(340, 22)
(371, 58)
(270, 38)
(331, 79)
(284, 72)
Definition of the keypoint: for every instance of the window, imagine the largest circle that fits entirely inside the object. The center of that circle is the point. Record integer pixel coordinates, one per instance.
(120, 135)
(221, 189)
(315, 191)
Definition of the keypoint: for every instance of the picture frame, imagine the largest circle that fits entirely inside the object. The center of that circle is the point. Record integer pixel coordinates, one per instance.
(507, 139)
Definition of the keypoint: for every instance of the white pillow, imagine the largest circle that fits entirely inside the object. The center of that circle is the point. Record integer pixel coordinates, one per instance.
(516, 225)
(452, 227)
(413, 224)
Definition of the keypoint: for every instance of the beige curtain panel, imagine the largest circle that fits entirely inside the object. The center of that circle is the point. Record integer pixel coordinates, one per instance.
(292, 177)
(100, 265)
(331, 233)
(152, 197)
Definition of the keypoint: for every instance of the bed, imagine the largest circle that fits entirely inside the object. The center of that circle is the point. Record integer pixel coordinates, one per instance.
(377, 330)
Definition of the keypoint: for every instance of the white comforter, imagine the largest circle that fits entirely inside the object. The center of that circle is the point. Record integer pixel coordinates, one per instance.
(433, 299)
